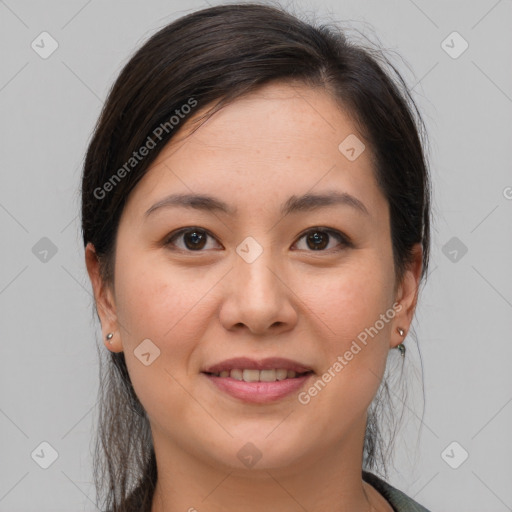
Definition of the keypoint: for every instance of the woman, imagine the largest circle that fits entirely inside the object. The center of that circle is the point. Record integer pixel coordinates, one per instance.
(255, 214)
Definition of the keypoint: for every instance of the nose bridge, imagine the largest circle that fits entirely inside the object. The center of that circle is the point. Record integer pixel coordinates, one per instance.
(253, 266)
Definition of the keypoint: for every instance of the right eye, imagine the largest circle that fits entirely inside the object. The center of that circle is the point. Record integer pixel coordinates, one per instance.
(193, 239)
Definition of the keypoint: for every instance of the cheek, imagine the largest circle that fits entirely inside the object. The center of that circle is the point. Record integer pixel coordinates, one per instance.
(359, 310)
(348, 306)
(351, 299)
(156, 301)
(156, 304)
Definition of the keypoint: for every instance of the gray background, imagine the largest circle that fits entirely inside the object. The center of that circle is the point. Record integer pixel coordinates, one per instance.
(48, 368)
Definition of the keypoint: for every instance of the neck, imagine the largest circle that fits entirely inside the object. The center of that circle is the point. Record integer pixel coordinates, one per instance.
(328, 480)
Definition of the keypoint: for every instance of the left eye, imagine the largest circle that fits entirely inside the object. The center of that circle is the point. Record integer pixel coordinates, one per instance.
(318, 239)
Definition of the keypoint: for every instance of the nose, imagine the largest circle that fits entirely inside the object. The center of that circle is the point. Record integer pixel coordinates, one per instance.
(257, 298)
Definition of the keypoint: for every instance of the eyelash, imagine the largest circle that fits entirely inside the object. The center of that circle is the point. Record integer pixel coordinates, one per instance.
(342, 238)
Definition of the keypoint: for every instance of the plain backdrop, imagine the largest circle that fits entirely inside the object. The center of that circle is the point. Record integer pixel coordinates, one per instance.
(459, 460)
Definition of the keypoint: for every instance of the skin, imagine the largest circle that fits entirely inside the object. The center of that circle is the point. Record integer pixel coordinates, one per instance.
(204, 306)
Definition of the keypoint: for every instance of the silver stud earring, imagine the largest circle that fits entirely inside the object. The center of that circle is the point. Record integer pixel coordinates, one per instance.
(109, 337)
(401, 347)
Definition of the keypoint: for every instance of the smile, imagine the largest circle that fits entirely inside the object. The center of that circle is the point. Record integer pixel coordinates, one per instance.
(252, 375)
(258, 391)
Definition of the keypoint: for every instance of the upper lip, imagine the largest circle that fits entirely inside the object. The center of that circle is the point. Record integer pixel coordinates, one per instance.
(269, 363)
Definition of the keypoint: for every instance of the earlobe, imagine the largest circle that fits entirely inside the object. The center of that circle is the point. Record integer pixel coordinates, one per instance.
(407, 296)
(112, 344)
(104, 300)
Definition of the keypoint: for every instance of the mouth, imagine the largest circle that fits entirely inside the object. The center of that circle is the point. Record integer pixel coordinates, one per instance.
(261, 381)
(270, 369)
(253, 375)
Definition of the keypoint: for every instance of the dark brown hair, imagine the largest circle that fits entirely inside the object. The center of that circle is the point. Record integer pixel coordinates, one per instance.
(210, 58)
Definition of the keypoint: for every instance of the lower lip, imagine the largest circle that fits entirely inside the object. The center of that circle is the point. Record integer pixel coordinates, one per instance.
(258, 392)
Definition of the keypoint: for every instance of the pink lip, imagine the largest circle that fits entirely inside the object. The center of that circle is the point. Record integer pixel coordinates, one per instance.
(258, 392)
(264, 364)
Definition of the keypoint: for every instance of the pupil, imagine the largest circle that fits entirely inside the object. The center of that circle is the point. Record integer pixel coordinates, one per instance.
(317, 238)
(196, 238)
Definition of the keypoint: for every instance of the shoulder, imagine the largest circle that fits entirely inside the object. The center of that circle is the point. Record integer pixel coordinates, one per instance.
(397, 499)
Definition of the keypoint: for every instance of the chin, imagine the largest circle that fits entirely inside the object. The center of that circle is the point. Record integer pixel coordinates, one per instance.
(259, 452)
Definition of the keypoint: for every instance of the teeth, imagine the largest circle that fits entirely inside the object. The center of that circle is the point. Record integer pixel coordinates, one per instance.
(281, 374)
(251, 375)
(267, 375)
(237, 374)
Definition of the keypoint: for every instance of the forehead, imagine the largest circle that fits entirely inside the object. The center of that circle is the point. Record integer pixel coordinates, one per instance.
(295, 116)
(277, 141)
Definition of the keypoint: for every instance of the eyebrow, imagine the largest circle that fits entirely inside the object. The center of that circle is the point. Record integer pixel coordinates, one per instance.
(306, 202)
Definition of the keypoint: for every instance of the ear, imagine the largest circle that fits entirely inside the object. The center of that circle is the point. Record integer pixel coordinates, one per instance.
(406, 296)
(104, 299)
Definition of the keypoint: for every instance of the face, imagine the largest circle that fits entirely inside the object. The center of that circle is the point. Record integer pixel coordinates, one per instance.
(262, 270)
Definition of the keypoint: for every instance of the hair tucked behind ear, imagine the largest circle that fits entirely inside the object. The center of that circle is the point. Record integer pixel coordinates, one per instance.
(215, 56)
